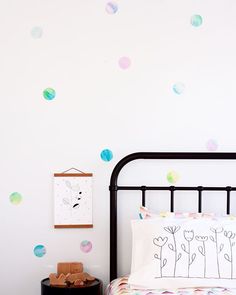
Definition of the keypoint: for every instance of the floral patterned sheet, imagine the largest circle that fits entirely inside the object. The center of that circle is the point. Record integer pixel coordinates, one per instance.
(120, 286)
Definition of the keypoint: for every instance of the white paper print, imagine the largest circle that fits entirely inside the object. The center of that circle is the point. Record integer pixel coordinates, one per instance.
(73, 200)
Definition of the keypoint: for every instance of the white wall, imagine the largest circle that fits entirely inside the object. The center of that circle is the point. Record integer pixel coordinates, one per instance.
(100, 105)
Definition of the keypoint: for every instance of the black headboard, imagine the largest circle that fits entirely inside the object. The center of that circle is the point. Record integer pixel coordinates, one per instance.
(114, 188)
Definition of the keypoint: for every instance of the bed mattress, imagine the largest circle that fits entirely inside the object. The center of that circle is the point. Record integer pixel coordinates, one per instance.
(120, 286)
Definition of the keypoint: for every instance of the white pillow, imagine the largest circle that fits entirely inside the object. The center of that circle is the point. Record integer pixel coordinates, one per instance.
(183, 252)
(145, 213)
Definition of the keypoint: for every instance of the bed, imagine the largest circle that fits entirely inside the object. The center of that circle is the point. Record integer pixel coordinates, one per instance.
(210, 262)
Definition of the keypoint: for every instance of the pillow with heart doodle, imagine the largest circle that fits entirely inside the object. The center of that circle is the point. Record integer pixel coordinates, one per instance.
(182, 252)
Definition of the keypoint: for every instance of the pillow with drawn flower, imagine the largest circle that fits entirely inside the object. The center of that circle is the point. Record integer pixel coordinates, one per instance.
(182, 252)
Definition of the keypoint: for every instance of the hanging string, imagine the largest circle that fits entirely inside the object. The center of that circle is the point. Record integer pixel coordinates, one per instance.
(73, 169)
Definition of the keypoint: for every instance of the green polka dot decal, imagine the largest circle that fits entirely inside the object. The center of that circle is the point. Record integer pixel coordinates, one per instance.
(15, 198)
(106, 155)
(196, 20)
(39, 250)
(49, 93)
(172, 177)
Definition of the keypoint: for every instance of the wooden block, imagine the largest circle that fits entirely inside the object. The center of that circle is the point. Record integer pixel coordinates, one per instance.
(90, 278)
(63, 267)
(76, 276)
(76, 267)
(69, 267)
(57, 281)
(78, 283)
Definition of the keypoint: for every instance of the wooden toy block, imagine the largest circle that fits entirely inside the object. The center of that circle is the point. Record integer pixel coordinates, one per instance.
(76, 276)
(78, 283)
(69, 267)
(57, 281)
(76, 267)
(90, 278)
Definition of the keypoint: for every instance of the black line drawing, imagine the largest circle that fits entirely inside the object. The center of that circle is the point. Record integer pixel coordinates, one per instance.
(217, 231)
(189, 235)
(75, 194)
(230, 236)
(202, 249)
(173, 230)
(160, 242)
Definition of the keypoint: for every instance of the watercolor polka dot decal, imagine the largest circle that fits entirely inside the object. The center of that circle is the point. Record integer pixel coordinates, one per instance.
(196, 20)
(36, 32)
(211, 145)
(124, 62)
(106, 155)
(49, 93)
(111, 7)
(172, 177)
(178, 88)
(86, 246)
(15, 198)
(39, 250)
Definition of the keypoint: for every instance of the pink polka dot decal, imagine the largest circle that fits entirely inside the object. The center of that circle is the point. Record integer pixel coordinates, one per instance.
(124, 62)
(211, 145)
(111, 7)
(86, 246)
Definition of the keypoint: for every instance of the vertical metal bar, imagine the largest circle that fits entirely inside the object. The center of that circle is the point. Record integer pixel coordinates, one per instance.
(200, 199)
(143, 188)
(113, 233)
(228, 190)
(172, 188)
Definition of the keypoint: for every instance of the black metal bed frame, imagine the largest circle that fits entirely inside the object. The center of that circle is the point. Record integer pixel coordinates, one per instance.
(114, 188)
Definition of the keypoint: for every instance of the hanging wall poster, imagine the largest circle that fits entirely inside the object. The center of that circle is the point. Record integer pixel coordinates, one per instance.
(73, 200)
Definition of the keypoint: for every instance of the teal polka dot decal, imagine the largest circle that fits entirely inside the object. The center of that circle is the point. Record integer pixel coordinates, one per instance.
(196, 20)
(15, 198)
(178, 88)
(111, 7)
(86, 246)
(36, 32)
(106, 155)
(172, 177)
(49, 93)
(39, 250)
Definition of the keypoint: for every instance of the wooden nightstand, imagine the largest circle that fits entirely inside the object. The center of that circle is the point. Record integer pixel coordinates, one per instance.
(92, 288)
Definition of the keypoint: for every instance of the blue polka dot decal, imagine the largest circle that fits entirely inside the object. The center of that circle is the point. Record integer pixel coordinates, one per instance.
(106, 155)
(39, 250)
(178, 88)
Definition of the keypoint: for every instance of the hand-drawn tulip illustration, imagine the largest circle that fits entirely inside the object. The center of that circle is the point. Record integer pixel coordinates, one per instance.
(217, 231)
(160, 243)
(189, 235)
(173, 230)
(229, 257)
(202, 249)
